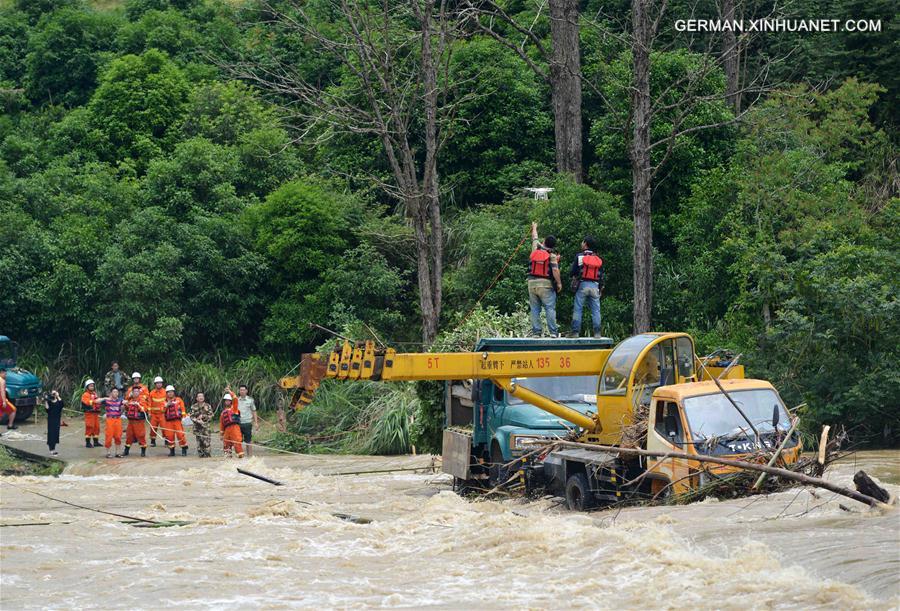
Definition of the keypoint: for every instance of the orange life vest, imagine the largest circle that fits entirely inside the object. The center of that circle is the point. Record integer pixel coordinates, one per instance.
(590, 266)
(539, 263)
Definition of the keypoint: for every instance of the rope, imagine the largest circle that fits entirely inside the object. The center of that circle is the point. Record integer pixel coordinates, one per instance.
(495, 280)
(109, 513)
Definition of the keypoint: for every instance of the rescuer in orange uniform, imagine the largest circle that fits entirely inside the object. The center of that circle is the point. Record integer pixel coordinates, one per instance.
(113, 427)
(136, 409)
(157, 410)
(91, 403)
(230, 425)
(7, 407)
(174, 412)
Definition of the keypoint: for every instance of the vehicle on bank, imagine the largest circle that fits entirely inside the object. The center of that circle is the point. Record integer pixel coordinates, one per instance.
(22, 387)
(690, 405)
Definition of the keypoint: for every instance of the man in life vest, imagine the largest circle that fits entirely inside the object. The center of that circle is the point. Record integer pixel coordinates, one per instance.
(157, 410)
(136, 408)
(90, 404)
(543, 282)
(174, 412)
(587, 282)
(230, 425)
(114, 410)
(7, 407)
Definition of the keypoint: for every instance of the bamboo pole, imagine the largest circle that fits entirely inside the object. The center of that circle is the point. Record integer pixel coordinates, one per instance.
(740, 464)
(762, 476)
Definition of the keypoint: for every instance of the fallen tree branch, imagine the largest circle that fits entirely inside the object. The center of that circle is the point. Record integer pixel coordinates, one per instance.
(740, 464)
(274, 482)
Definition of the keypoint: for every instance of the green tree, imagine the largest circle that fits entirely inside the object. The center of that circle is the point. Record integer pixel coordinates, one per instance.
(170, 31)
(302, 229)
(65, 51)
(504, 138)
(139, 105)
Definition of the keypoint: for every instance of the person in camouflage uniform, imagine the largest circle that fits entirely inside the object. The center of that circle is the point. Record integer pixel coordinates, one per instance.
(115, 378)
(202, 414)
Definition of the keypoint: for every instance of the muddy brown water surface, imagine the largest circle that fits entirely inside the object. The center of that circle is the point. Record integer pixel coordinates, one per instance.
(251, 544)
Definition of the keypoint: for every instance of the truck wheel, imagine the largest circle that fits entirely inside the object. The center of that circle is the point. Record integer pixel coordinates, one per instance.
(578, 493)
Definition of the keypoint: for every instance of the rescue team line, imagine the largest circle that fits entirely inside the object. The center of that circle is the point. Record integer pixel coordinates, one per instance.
(430, 467)
(778, 25)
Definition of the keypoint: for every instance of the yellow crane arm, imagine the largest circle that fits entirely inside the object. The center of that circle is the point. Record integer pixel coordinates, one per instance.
(362, 361)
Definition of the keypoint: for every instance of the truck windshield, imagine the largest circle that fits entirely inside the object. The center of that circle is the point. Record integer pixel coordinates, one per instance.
(620, 363)
(714, 416)
(7, 355)
(565, 389)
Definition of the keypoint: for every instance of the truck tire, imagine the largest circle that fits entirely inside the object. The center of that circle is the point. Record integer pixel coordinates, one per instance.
(578, 493)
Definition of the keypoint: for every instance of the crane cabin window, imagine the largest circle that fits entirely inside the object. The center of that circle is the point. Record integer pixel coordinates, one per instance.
(614, 380)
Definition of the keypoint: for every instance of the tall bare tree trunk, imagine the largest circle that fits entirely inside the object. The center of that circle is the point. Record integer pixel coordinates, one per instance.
(731, 55)
(641, 170)
(430, 275)
(565, 85)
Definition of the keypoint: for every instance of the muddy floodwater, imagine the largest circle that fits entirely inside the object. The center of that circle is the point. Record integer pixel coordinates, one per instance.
(413, 542)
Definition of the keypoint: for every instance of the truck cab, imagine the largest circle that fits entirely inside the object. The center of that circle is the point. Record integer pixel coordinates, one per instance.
(656, 378)
(22, 387)
(501, 424)
(697, 418)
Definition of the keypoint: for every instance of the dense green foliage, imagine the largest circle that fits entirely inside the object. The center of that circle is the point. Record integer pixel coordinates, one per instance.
(156, 209)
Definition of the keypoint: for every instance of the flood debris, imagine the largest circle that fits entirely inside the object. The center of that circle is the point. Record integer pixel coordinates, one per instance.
(866, 485)
(269, 480)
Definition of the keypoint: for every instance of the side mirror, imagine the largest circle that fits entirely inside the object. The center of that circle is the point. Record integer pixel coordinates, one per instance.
(476, 391)
(776, 417)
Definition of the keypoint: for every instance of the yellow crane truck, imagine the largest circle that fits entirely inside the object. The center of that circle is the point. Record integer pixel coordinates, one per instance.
(690, 405)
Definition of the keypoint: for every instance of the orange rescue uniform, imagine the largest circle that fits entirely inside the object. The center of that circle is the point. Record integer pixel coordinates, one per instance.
(136, 431)
(174, 412)
(91, 407)
(231, 432)
(113, 432)
(156, 414)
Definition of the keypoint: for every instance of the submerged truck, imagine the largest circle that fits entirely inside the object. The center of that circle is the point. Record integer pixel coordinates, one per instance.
(501, 425)
(22, 387)
(683, 404)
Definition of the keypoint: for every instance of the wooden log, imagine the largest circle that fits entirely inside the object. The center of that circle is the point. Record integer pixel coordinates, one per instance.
(866, 485)
(739, 464)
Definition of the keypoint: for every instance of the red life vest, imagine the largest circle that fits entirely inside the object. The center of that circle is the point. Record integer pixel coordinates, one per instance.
(590, 266)
(539, 263)
(133, 411)
(231, 417)
(173, 410)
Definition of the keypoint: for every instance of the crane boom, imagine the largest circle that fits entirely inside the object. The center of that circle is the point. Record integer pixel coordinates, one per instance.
(362, 361)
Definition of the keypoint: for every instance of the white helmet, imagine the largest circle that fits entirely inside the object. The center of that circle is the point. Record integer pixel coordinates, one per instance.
(88, 382)
(135, 375)
(227, 397)
(157, 380)
(170, 387)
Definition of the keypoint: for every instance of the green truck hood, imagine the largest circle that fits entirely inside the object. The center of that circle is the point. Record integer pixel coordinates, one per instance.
(528, 416)
(18, 379)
